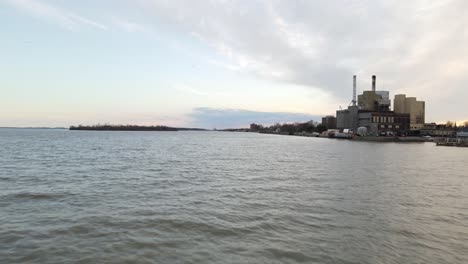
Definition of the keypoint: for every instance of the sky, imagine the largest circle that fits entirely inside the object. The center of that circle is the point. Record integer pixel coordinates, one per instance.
(224, 63)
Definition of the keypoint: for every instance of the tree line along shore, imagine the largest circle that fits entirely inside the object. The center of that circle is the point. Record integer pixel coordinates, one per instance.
(123, 128)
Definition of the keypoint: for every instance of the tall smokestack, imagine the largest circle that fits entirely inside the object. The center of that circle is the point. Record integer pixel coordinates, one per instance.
(354, 90)
(373, 83)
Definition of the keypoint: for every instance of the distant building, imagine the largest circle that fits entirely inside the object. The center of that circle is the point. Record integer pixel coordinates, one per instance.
(373, 112)
(409, 105)
(314, 123)
(376, 122)
(384, 122)
(255, 127)
(374, 100)
(434, 130)
(348, 118)
(329, 122)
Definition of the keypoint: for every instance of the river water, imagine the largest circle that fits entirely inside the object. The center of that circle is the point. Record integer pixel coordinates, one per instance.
(219, 197)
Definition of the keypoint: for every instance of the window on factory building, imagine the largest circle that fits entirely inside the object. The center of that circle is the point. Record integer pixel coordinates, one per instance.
(397, 126)
(390, 126)
(382, 126)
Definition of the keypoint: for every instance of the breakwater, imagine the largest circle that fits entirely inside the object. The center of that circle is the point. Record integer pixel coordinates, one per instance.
(357, 138)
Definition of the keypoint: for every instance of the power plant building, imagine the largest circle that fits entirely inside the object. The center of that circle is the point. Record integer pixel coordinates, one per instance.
(374, 100)
(348, 118)
(372, 112)
(409, 105)
(384, 122)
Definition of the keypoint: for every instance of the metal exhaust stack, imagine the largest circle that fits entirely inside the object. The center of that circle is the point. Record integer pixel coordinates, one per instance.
(354, 90)
(373, 83)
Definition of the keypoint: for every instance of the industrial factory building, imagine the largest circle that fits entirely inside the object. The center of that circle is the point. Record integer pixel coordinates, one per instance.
(409, 105)
(386, 122)
(372, 113)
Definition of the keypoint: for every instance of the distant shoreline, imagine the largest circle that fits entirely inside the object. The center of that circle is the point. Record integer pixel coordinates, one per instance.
(132, 128)
(114, 129)
(33, 128)
(122, 128)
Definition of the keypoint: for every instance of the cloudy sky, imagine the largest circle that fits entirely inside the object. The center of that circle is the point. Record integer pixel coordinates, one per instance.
(224, 63)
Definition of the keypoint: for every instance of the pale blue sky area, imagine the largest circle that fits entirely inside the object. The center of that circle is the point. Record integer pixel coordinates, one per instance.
(160, 62)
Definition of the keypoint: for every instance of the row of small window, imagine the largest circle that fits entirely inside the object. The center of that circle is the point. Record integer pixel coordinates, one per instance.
(389, 126)
(382, 119)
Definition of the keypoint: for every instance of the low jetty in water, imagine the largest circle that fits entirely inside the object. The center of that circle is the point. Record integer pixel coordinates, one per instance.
(453, 142)
(392, 139)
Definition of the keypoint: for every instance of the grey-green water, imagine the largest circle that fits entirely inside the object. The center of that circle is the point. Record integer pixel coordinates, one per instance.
(214, 197)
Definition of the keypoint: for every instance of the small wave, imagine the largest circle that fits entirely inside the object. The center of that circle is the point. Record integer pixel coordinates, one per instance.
(37, 196)
(193, 226)
(287, 254)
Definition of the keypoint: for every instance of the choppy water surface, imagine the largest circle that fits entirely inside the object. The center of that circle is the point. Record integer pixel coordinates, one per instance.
(214, 197)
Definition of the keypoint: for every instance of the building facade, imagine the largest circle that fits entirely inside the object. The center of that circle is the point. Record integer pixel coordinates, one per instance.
(434, 130)
(374, 101)
(413, 107)
(378, 123)
(329, 122)
(348, 118)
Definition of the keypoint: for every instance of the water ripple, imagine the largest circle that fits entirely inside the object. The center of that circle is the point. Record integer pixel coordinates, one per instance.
(211, 197)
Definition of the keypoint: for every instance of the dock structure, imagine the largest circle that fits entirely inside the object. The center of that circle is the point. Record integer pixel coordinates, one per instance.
(461, 140)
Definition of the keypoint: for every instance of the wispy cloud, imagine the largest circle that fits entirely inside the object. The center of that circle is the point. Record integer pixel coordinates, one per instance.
(55, 14)
(130, 26)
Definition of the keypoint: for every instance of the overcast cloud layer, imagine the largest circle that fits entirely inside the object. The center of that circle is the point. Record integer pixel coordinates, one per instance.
(414, 47)
(181, 59)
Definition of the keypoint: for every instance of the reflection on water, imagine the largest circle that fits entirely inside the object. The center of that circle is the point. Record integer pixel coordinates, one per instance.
(214, 197)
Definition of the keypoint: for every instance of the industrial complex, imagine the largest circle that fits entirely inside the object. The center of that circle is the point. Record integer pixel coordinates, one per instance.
(371, 114)
(371, 117)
